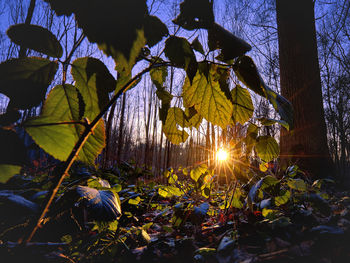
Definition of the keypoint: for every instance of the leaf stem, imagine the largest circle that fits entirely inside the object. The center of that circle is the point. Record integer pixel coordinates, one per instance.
(75, 152)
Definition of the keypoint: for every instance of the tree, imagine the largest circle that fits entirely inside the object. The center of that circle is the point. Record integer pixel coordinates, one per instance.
(301, 85)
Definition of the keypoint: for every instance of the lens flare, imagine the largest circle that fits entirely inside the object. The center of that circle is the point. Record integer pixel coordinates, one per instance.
(222, 155)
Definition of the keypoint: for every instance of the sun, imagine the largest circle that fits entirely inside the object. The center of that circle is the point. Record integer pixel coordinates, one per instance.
(222, 155)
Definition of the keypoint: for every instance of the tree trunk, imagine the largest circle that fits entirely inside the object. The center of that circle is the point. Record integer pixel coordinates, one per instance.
(301, 85)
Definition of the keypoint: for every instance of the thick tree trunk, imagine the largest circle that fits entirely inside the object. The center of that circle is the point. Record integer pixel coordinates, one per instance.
(301, 84)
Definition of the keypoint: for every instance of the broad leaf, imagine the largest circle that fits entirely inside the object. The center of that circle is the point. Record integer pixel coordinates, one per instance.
(175, 117)
(198, 171)
(282, 199)
(7, 171)
(207, 98)
(267, 148)
(164, 96)
(247, 72)
(37, 38)
(158, 76)
(57, 140)
(115, 25)
(242, 104)
(102, 205)
(193, 117)
(195, 14)
(231, 46)
(169, 191)
(180, 53)
(196, 45)
(297, 184)
(65, 104)
(269, 122)
(155, 30)
(250, 139)
(93, 81)
(25, 80)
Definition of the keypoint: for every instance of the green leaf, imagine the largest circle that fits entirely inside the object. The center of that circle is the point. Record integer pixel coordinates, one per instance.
(125, 63)
(196, 45)
(180, 53)
(94, 81)
(267, 148)
(269, 122)
(25, 80)
(169, 191)
(250, 139)
(282, 199)
(64, 104)
(198, 171)
(37, 38)
(116, 26)
(297, 184)
(134, 201)
(283, 107)
(176, 117)
(155, 30)
(209, 100)
(57, 140)
(231, 46)
(164, 96)
(7, 171)
(193, 117)
(236, 202)
(195, 14)
(247, 72)
(242, 104)
(158, 76)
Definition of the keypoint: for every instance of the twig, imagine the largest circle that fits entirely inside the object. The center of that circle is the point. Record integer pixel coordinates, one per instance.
(75, 152)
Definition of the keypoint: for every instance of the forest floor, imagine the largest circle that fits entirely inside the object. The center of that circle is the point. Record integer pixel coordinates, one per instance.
(158, 228)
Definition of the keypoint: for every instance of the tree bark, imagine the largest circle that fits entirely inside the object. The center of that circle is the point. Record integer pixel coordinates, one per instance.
(301, 85)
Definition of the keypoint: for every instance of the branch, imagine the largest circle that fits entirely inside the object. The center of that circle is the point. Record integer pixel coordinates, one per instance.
(75, 152)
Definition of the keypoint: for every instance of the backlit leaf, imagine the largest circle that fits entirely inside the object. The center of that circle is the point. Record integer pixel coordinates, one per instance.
(63, 105)
(267, 148)
(57, 140)
(25, 80)
(93, 81)
(282, 199)
(180, 53)
(169, 191)
(208, 99)
(155, 30)
(115, 25)
(196, 45)
(37, 38)
(176, 117)
(198, 171)
(242, 104)
(297, 184)
(195, 14)
(7, 171)
(247, 72)
(230, 45)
